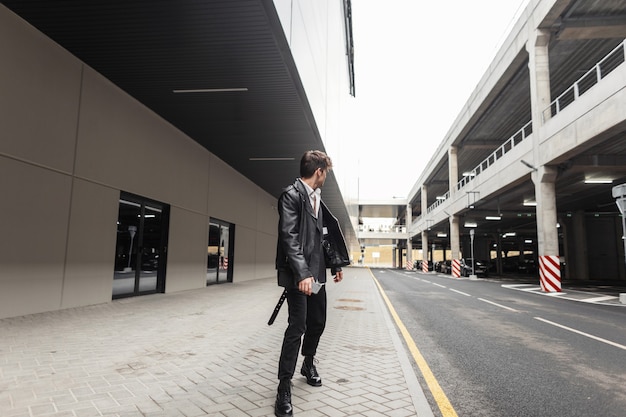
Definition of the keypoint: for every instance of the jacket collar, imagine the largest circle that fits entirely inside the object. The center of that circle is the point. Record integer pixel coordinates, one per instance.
(299, 186)
(304, 196)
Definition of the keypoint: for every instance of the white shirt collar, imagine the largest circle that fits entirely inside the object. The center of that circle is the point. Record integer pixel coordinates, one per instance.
(310, 191)
(317, 193)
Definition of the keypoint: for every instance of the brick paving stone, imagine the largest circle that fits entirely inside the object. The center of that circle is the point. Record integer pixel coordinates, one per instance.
(218, 408)
(87, 412)
(42, 409)
(401, 412)
(16, 412)
(188, 409)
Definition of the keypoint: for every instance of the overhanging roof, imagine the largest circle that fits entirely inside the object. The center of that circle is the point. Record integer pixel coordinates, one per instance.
(154, 49)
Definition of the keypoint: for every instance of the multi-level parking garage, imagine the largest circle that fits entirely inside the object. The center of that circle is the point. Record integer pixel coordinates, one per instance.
(530, 162)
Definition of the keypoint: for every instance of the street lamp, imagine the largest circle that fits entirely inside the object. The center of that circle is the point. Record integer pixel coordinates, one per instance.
(619, 194)
(132, 230)
(473, 276)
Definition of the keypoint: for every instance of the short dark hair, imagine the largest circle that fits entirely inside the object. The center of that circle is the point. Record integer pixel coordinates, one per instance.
(311, 161)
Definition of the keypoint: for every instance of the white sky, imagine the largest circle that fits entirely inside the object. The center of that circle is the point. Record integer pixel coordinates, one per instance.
(416, 64)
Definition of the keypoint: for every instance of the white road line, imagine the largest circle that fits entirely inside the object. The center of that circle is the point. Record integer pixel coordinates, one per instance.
(498, 305)
(599, 339)
(522, 287)
(439, 285)
(599, 299)
(460, 292)
(576, 296)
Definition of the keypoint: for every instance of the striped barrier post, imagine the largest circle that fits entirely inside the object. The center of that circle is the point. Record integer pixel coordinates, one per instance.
(550, 273)
(424, 266)
(409, 265)
(456, 268)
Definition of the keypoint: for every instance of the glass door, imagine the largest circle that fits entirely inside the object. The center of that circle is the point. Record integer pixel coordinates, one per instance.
(220, 252)
(140, 255)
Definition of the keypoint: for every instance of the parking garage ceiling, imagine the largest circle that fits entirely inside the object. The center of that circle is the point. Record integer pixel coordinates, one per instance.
(582, 33)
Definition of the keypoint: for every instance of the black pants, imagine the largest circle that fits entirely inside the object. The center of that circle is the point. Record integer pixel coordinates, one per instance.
(307, 316)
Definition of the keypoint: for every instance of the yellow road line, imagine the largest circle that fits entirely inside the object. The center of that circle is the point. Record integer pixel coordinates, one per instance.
(440, 397)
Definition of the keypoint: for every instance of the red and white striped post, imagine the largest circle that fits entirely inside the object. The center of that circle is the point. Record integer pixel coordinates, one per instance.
(456, 268)
(550, 273)
(409, 265)
(424, 266)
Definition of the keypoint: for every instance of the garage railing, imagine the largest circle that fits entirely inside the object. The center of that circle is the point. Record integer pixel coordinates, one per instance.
(610, 62)
(440, 199)
(512, 142)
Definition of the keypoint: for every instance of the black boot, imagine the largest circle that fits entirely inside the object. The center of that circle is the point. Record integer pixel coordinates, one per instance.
(310, 372)
(283, 407)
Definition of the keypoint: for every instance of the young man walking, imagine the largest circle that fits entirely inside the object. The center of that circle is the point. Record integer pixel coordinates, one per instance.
(305, 228)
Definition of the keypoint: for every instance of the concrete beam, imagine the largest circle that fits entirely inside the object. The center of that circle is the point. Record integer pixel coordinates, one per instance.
(592, 28)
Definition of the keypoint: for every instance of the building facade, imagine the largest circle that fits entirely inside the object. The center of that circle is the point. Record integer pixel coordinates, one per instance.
(103, 197)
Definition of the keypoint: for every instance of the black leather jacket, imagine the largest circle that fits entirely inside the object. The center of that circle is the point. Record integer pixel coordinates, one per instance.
(299, 238)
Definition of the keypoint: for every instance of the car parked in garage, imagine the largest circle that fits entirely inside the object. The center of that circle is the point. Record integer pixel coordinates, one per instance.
(445, 267)
(481, 267)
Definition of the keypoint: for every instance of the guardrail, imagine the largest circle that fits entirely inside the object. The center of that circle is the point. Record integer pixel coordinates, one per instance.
(383, 229)
(611, 61)
(440, 199)
(512, 142)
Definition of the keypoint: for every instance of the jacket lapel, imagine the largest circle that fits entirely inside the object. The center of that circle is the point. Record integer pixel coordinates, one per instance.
(320, 220)
(306, 202)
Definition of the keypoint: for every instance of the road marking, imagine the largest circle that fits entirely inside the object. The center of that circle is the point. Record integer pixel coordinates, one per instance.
(498, 305)
(522, 287)
(599, 299)
(573, 296)
(439, 285)
(599, 339)
(460, 292)
(440, 397)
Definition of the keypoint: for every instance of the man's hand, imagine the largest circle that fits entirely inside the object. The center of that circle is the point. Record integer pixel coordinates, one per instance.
(338, 277)
(306, 285)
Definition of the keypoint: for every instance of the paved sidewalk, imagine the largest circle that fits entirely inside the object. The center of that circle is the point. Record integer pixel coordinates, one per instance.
(207, 352)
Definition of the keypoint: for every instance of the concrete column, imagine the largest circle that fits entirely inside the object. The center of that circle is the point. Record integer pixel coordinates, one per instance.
(424, 205)
(409, 242)
(543, 177)
(545, 195)
(425, 245)
(539, 70)
(453, 170)
(455, 239)
(547, 233)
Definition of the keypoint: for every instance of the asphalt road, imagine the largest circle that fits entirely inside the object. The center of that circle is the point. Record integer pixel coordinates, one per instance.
(499, 352)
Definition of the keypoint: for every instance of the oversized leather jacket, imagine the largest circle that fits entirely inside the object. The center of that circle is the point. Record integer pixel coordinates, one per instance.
(299, 240)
